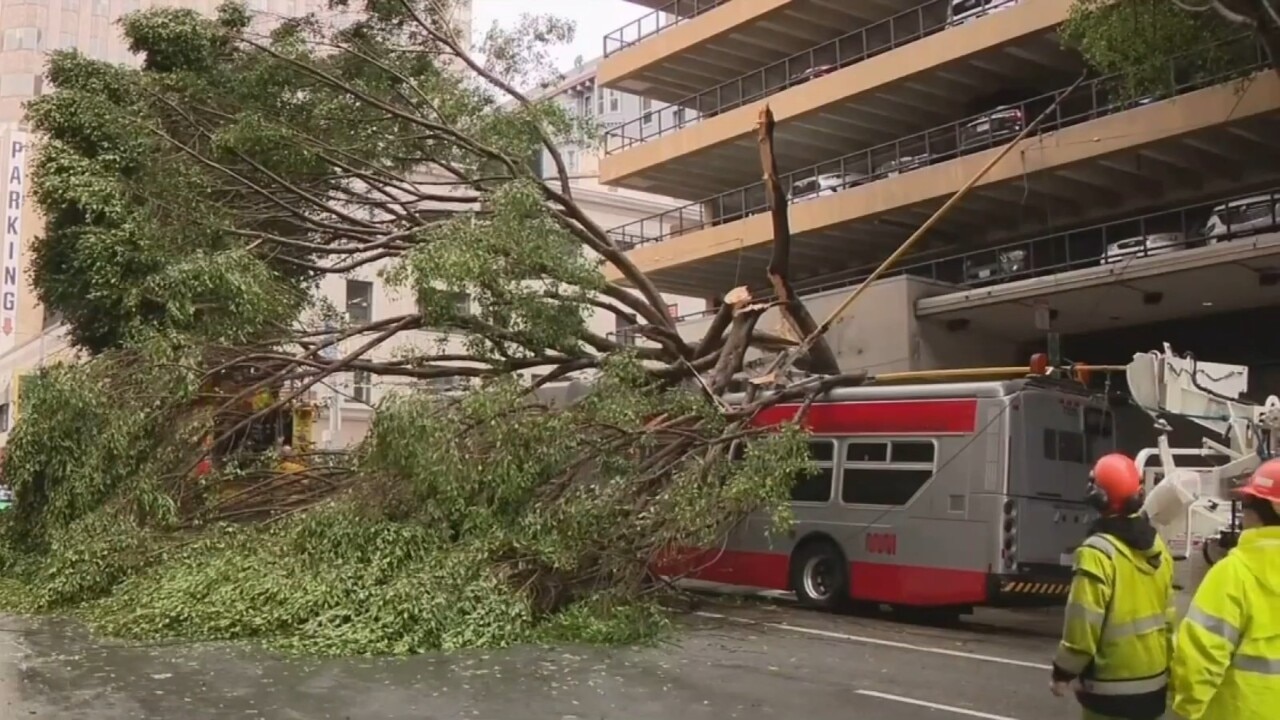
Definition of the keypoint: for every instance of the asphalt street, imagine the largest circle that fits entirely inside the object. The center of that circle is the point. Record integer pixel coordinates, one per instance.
(745, 660)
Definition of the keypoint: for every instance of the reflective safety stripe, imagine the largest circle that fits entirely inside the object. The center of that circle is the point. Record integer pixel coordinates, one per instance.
(1215, 625)
(1078, 612)
(1126, 687)
(1072, 661)
(1255, 664)
(1101, 544)
(1147, 624)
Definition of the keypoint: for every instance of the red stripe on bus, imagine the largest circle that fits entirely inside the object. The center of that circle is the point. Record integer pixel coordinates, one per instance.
(875, 582)
(893, 417)
(911, 585)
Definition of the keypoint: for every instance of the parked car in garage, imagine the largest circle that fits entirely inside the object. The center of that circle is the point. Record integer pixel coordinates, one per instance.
(1006, 263)
(994, 128)
(816, 71)
(906, 163)
(825, 184)
(1257, 213)
(962, 11)
(1144, 245)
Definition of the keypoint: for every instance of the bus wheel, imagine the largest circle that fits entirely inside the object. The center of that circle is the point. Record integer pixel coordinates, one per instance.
(820, 576)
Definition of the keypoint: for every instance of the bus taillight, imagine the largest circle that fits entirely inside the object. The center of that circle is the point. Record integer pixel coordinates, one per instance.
(1009, 551)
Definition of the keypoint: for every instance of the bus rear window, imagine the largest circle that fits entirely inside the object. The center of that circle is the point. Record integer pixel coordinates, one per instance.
(1064, 446)
(1097, 423)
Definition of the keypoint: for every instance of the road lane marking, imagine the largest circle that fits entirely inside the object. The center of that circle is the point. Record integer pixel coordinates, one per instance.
(932, 706)
(877, 641)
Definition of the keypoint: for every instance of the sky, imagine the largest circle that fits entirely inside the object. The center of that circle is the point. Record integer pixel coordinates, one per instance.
(594, 19)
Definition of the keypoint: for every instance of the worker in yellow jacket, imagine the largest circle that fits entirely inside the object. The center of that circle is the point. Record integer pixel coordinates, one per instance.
(1226, 662)
(1116, 638)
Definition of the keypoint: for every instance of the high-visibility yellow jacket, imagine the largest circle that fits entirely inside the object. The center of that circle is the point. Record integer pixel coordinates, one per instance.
(1116, 637)
(1226, 662)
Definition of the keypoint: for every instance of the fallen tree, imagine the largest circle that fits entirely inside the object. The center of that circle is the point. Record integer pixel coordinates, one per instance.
(195, 208)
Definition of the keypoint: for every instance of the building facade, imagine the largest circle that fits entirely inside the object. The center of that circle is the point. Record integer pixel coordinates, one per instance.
(30, 337)
(1113, 219)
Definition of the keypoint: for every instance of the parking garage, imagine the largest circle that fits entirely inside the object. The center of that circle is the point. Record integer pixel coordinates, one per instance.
(1159, 155)
(887, 86)
(712, 42)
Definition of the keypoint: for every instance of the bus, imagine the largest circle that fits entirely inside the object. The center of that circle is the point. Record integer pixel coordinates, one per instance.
(938, 497)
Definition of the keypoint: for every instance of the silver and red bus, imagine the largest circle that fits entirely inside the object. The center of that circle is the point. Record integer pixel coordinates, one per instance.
(932, 496)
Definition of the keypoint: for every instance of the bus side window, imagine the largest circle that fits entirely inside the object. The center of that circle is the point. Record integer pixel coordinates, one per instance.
(816, 486)
(887, 473)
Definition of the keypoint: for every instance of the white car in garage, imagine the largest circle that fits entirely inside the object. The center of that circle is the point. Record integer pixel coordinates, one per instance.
(1143, 246)
(1246, 216)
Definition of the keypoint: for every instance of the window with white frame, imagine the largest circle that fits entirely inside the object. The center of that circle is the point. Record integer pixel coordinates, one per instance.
(886, 472)
(571, 160)
(615, 100)
(362, 386)
(359, 301)
(585, 105)
(23, 38)
(599, 93)
(101, 8)
(66, 40)
(71, 5)
(646, 107)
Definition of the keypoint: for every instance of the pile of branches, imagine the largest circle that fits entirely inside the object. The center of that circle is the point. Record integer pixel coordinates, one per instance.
(235, 174)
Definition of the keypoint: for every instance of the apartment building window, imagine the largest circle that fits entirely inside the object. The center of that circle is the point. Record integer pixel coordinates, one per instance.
(23, 38)
(71, 5)
(600, 93)
(67, 40)
(98, 48)
(101, 8)
(571, 160)
(362, 386)
(128, 6)
(678, 116)
(585, 105)
(18, 85)
(461, 303)
(615, 100)
(646, 107)
(4, 417)
(359, 301)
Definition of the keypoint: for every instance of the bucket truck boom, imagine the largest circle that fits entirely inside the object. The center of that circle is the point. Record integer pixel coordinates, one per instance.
(1188, 502)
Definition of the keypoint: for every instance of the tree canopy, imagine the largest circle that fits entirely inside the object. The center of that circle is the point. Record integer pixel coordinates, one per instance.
(1135, 39)
(195, 207)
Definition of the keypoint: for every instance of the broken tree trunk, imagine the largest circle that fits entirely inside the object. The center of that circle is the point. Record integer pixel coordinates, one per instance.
(821, 358)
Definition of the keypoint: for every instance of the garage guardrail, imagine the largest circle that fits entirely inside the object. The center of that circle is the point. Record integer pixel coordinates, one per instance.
(667, 16)
(1121, 242)
(1091, 100)
(864, 43)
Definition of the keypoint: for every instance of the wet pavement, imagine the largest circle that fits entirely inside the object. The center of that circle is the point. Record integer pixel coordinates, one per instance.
(753, 661)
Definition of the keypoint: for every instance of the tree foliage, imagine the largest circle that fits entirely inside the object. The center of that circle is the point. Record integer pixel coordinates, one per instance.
(196, 206)
(1135, 39)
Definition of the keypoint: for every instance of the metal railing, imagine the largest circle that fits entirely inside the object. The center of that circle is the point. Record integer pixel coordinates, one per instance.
(1118, 242)
(1091, 100)
(883, 36)
(668, 16)
(627, 336)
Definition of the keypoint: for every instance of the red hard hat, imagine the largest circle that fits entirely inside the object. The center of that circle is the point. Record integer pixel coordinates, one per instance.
(1118, 476)
(1265, 483)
